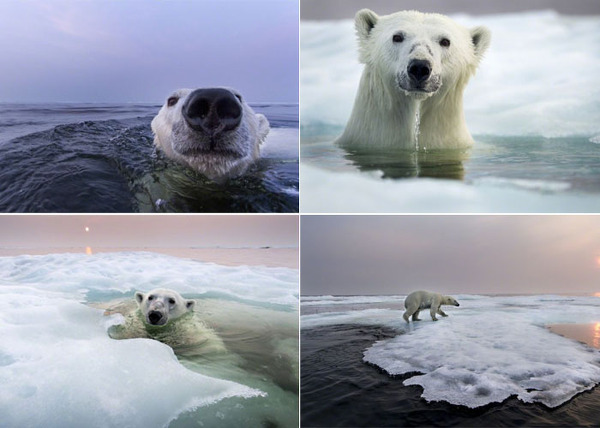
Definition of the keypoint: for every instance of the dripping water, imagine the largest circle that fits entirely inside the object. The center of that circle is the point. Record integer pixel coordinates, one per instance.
(416, 132)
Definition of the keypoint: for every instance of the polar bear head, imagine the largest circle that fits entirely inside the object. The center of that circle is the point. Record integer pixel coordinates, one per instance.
(419, 53)
(212, 130)
(161, 305)
(449, 300)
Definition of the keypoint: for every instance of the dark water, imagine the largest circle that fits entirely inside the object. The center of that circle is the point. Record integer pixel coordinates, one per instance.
(339, 389)
(101, 158)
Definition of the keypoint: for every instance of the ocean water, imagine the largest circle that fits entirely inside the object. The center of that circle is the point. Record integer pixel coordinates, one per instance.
(491, 362)
(60, 368)
(101, 158)
(532, 109)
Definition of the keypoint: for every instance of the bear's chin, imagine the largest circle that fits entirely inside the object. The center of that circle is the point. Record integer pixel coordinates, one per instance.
(418, 95)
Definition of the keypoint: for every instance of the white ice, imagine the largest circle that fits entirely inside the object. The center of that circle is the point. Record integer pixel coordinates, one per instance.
(348, 300)
(78, 274)
(486, 350)
(367, 192)
(59, 368)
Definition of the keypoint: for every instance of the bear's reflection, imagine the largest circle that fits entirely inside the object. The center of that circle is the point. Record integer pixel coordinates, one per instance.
(397, 164)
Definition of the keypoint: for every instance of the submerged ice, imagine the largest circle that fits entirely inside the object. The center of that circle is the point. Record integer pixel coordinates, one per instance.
(489, 349)
(59, 367)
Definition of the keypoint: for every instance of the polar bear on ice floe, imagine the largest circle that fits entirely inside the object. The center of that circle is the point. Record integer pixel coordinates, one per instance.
(211, 130)
(419, 300)
(417, 66)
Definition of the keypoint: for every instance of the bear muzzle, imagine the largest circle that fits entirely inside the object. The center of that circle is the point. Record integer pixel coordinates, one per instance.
(419, 71)
(212, 111)
(156, 318)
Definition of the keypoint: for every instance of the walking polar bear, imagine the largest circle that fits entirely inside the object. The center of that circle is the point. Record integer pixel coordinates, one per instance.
(211, 130)
(417, 66)
(419, 300)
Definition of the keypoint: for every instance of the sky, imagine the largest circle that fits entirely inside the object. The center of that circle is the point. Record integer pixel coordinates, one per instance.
(148, 231)
(364, 255)
(345, 9)
(142, 50)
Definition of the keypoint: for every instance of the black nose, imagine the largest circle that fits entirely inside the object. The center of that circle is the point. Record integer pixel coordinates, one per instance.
(419, 70)
(154, 317)
(212, 111)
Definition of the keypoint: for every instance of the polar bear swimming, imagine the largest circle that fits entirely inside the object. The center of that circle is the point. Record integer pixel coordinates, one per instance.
(211, 130)
(417, 66)
(164, 315)
(419, 300)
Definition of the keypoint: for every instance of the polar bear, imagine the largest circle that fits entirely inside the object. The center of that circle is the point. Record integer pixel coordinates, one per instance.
(161, 305)
(164, 315)
(417, 66)
(418, 300)
(211, 130)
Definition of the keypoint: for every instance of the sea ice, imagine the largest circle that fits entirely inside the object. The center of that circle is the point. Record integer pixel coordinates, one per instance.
(58, 366)
(488, 349)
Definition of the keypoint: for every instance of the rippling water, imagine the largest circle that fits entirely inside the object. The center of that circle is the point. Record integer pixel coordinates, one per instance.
(101, 158)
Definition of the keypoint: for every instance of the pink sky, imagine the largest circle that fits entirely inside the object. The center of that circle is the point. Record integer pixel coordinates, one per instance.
(452, 254)
(39, 231)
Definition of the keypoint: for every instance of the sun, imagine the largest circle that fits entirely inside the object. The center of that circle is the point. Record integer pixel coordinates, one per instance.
(87, 229)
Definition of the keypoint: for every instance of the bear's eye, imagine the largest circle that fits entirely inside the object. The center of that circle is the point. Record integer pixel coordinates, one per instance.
(445, 42)
(171, 301)
(172, 101)
(238, 96)
(150, 297)
(398, 38)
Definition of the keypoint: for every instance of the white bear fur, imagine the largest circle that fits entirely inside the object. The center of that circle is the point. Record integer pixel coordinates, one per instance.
(182, 330)
(385, 114)
(173, 136)
(419, 300)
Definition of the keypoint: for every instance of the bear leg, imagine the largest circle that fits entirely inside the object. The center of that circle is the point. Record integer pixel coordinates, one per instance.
(442, 313)
(415, 316)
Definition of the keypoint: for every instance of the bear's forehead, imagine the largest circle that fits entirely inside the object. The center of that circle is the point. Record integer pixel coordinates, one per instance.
(418, 22)
(163, 293)
(184, 92)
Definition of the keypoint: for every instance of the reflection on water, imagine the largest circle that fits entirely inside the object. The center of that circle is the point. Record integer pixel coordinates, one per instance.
(410, 163)
(88, 251)
(585, 333)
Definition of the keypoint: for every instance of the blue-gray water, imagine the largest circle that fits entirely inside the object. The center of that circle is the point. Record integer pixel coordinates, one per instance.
(500, 174)
(101, 158)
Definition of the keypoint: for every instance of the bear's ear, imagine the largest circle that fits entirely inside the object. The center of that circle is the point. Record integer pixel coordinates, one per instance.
(263, 127)
(139, 297)
(364, 21)
(190, 304)
(481, 38)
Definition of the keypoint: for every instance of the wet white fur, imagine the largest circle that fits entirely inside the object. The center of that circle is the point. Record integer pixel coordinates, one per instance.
(384, 115)
(419, 300)
(173, 136)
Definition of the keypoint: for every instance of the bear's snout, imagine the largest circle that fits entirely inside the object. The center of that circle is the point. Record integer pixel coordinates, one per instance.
(155, 318)
(212, 111)
(419, 70)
